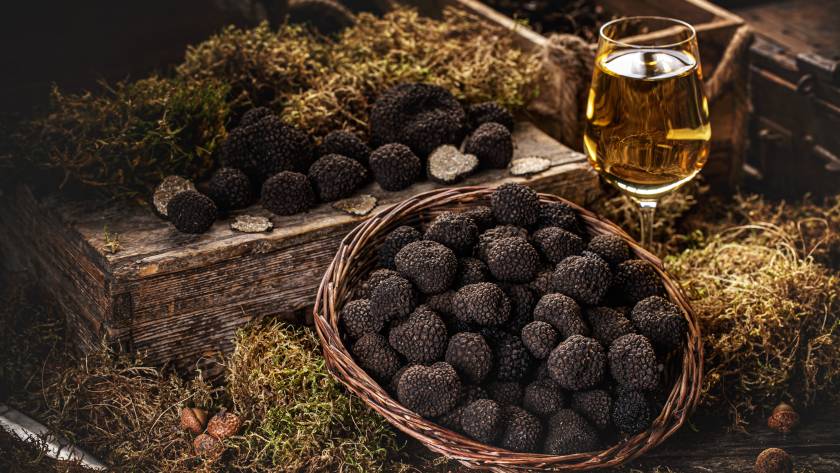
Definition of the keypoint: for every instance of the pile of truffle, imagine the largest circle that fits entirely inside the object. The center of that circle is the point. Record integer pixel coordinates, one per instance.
(511, 325)
(280, 165)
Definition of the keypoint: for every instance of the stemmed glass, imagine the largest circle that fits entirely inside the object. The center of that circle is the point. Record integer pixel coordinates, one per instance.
(647, 117)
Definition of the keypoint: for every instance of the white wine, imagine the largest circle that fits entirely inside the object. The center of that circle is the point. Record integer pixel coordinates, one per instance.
(647, 127)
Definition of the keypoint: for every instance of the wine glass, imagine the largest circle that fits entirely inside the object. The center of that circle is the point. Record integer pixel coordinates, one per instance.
(647, 117)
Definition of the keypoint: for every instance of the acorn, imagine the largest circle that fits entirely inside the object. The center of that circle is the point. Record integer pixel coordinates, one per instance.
(783, 419)
(773, 460)
(193, 419)
(223, 425)
(208, 447)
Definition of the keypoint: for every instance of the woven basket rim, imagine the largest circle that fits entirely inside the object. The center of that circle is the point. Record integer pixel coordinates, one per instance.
(332, 293)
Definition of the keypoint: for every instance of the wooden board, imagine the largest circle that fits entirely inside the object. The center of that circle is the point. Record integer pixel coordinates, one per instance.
(176, 296)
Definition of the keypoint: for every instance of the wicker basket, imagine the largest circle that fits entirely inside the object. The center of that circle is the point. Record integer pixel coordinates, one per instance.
(357, 255)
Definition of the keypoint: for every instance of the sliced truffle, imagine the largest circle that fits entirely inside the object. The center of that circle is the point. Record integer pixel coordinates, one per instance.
(542, 398)
(482, 303)
(505, 392)
(611, 248)
(569, 432)
(335, 177)
(482, 216)
(470, 355)
(522, 431)
(522, 302)
(633, 363)
(557, 244)
(563, 313)
(482, 420)
(513, 259)
(448, 165)
(492, 144)
(392, 298)
(607, 324)
(456, 231)
(577, 363)
(595, 405)
(431, 266)
(191, 212)
(430, 391)
(230, 189)
(471, 271)
(488, 238)
(394, 242)
(635, 280)
(515, 204)
(357, 319)
(485, 112)
(511, 359)
(585, 280)
(421, 338)
(394, 166)
(287, 193)
(346, 144)
(631, 412)
(661, 321)
(540, 338)
(375, 356)
(561, 215)
(373, 280)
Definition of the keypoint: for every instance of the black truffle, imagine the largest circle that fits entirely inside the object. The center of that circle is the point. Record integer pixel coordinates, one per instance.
(492, 144)
(611, 248)
(482, 303)
(543, 282)
(346, 144)
(471, 271)
(230, 189)
(631, 412)
(513, 259)
(635, 280)
(557, 244)
(569, 432)
(266, 147)
(488, 238)
(335, 177)
(394, 166)
(470, 355)
(607, 324)
(482, 420)
(442, 304)
(522, 431)
(254, 115)
(392, 298)
(485, 112)
(482, 216)
(469, 394)
(561, 215)
(512, 360)
(456, 231)
(522, 301)
(563, 313)
(430, 391)
(633, 363)
(515, 204)
(373, 280)
(357, 319)
(594, 405)
(431, 266)
(542, 398)
(540, 338)
(421, 338)
(421, 116)
(394, 242)
(585, 280)
(506, 392)
(661, 321)
(287, 193)
(577, 363)
(191, 212)
(375, 356)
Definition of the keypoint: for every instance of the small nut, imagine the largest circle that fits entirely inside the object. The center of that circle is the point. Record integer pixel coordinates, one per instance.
(208, 447)
(193, 419)
(773, 460)
(223, 425)
(783, 419)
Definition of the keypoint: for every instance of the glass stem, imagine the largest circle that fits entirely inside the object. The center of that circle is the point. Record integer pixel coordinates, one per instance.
(647, 209)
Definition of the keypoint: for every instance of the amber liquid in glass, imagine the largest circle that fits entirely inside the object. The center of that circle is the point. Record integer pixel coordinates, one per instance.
(647, 128)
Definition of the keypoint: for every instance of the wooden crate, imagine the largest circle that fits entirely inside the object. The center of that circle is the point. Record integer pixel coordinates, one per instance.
(178, 297)
(716, 28)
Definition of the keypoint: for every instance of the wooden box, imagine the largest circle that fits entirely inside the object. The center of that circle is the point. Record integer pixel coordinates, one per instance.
(179, 297)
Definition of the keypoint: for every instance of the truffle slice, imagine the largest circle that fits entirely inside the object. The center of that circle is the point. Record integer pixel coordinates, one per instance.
(515, 204)
(448, 165)
(513, 259)
(394, 242)
(191, 212)
(585, 280)
(578, 363)
(287, 193)
(481, 303)
(375, 356)
(430, 391)
(456, 231)
(492, 144)
(421, 338)
(633, 363)
(569, 432)
(394, 166)
(563, 313)
(431, 266)
(230, 189)
(335, 177)
(470, 355)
